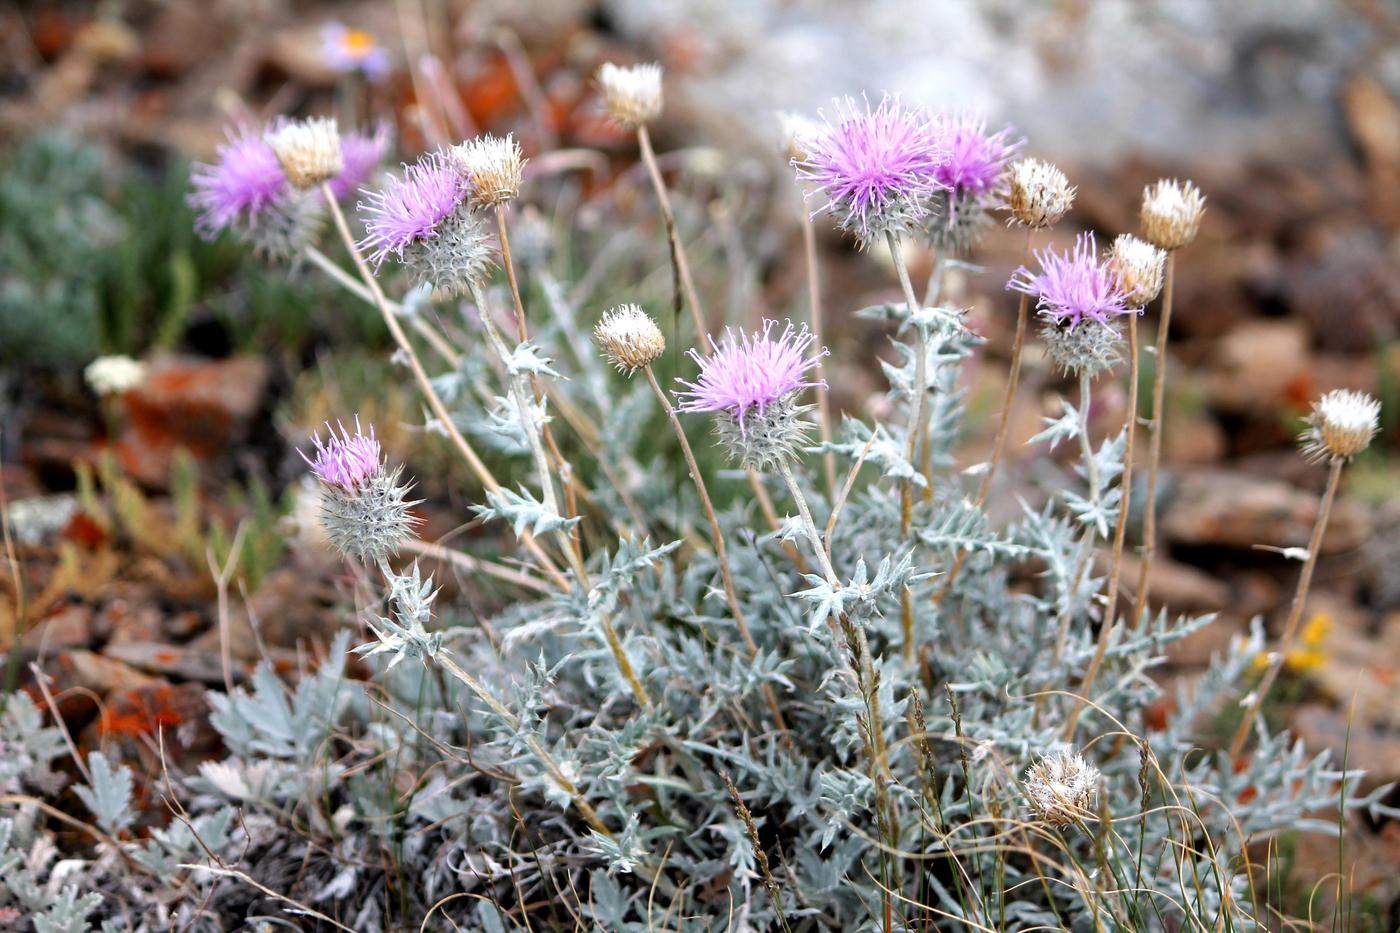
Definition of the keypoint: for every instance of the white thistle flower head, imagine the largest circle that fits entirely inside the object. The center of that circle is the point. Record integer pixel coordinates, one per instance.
(1040, 194)
(1341, 425)
(1061, 788)
(632, 93)
(493, 167)
(1137, 266)
(798, 134)
(629, 338)
(308, 150)
(113, 375)
(1171, 213)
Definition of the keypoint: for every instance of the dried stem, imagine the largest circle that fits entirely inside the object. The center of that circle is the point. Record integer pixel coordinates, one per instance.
(1154, 452)
(435, 403)
(663, 199)
(1295, 614)
(1013, 381)
(814, 298)
(917, 429)
(809, 526)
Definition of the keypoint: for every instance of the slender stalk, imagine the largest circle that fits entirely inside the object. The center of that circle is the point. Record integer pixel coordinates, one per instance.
(663, 199)
(1086, 448)
(814, 298)
(435, 403)
(1125, 484)
(721, 552)
(917, 429)
(1013, 381)
(770, 515)
(521, 330)
(1295, 614)
(809, 526)
(624, 664)
(1154, 451)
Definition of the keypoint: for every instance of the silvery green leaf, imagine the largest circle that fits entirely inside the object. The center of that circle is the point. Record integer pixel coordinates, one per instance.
(1063, 428)
(108, 795)
(524, 512)
(884, 452)
(526, 358)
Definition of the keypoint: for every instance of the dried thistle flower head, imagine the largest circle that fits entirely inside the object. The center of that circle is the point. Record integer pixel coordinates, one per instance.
(1040, 194)
(308, 150)
(493, 167)
(1171, 213)
(1137, 267)
(1341, 425)
(1061, 788)
(364, 508)
(113, 375)
(632, 93)
(629, 338)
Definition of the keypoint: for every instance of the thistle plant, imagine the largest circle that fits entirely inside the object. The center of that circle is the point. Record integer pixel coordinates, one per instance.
(882, 711)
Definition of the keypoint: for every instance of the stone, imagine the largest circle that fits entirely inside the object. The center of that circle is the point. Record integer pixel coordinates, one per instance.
(172, 662)
(1225, 509)
(1254, 366)
(77, 675)
(1362, 747)
(173, 718)
(1179, 586)
(71, 626)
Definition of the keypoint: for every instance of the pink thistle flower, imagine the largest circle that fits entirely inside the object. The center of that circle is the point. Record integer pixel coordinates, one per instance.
(977, 160)
(1073, 287)
(346, 461)
(360, 154)
(877, 168)
(410, 209)
(238, 188)
(349, 50)
(750, 372)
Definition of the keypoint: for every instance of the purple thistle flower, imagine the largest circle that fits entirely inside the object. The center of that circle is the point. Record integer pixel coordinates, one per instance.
(408, 209)
(977, 160)
(749, 373)
(244, 182)
(347, 461)
(348, 50)
(361, 154)
(877, 168)
(1073, 287)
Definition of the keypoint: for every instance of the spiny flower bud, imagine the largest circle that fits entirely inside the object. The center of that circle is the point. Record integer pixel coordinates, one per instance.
(774, 433)
(308, 150)
(629, 338)
(1061, 788)
(1040, 194)
(1137, 267)
(1341, 425)
(363, 509)
(632, 93)
(1083, 350)
(1171, 213)
(493, 167)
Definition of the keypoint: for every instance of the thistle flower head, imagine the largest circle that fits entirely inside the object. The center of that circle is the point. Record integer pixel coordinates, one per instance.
(1040, 194)
(236, 190)
(1341, 425)
(308, 150)
(877, 168)
(1171, 213)
(977, 160)
(113, 375)
(493, 167)
(632, 93)
(353, 50)
(360, 154)
(629, 338)
(1061, 788)
(364, 508)
(1073, 287)
(1137, 267)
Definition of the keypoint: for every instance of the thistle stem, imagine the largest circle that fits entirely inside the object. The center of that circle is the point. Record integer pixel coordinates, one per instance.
(814, 298)
(1154, 451)
(1013, 381)
(917, 429)
(521, 330)
(721, 552)
(1295, 614)
(682, 267)
(809, 526)
(435, 403)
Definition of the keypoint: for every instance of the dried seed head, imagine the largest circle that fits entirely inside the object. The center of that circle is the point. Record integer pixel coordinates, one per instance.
(1061, 788)
(774, 433)
(113, 375)
(1137, 266)
(632, 93)
(629, 338)
(308, 150)
(1040, 194)
(493, 167)
(1341, 425)
(1171, 213)
(1086, 349)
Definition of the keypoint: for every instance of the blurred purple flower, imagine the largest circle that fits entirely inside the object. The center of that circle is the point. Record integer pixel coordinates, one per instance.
(346, 461)
(1073, 287)
(349, 50)
(410, 208)
(977, 160)
(241, 184)
(877, 168)
(361, 154)
(750, 372)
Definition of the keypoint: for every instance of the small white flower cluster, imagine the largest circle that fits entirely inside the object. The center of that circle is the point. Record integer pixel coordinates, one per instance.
(1341, 425)
(493, 167)
(632, 93)
(113, 375)
(1061, 788)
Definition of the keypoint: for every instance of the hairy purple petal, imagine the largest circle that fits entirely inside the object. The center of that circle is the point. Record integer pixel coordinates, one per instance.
(977, 160)
(361, 154)
(239, 186)
(410, 208)
(1073, 287)
(347, 460)
(751, 371)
